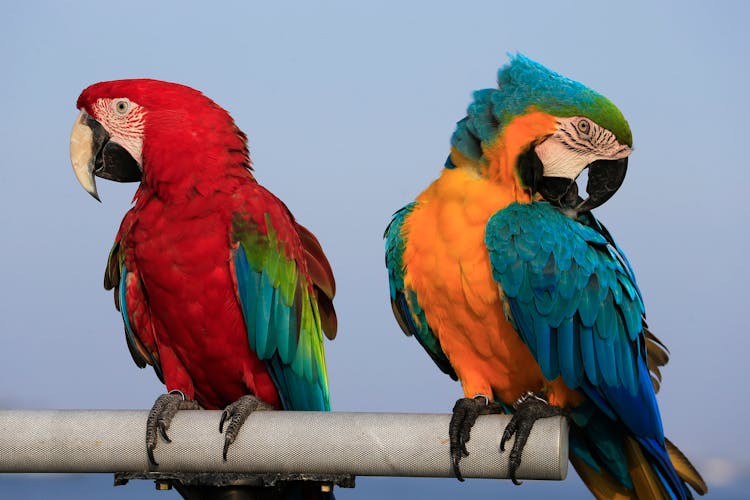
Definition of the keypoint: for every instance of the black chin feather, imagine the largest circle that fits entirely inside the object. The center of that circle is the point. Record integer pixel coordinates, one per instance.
(115, 164)
(604, 179)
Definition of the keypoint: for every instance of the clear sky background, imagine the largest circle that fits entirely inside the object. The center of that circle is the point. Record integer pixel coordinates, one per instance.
(349, 107)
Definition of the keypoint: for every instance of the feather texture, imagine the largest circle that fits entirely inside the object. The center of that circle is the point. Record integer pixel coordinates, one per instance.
(510, 295)
(524, 84)
(220, 289)
(685, 469)
(602, 304)
(322, 278)
(272, 292)
(579, 294)
(404, 301)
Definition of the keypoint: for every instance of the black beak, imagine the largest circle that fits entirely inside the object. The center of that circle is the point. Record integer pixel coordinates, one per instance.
(605, 178)
(92, 153)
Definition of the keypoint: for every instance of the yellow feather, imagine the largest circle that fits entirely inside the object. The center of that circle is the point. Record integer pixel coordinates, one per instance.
(646, 485)
(601, 484)
(685, 469)
(657, 355)
(645, 481)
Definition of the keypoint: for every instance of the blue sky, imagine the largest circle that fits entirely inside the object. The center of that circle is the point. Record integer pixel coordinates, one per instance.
(349, 109)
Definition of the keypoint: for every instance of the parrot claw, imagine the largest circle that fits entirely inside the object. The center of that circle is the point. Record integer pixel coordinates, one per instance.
(465, 413)
(235, 415)
(160, 417)
(163, 431)
(529, 408)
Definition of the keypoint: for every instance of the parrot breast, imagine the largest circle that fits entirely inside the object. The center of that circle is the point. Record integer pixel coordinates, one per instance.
(447, 264)
(182, 252)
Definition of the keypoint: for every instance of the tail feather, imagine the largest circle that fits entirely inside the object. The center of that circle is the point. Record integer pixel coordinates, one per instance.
(601, 484)
(646, 468)
(646, 482)
(685, 469)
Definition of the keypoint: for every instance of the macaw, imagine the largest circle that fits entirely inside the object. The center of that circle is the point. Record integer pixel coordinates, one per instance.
(220, 289)
(514, 288)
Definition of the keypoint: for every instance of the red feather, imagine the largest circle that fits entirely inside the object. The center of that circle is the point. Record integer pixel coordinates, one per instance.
(176, 243)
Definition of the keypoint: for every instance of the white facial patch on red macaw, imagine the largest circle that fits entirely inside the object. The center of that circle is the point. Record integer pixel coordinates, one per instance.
(577, 142)
(124, 121)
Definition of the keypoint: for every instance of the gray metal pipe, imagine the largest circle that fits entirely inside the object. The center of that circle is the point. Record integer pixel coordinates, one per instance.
(362, 444)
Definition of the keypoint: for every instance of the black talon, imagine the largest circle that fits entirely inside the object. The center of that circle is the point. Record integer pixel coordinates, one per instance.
(236, 414)
(529, 409)
(163, 431)
(465, 413)
(151, 459)
(160, 417)
(224, 416)
(225, 450)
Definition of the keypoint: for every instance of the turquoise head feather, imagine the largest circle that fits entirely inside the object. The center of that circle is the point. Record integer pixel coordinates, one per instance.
(524, 84)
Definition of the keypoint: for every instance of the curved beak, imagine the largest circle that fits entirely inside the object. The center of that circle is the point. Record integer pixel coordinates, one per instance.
(551, 167)
(86, 142)
(605, 178)
(92, 153)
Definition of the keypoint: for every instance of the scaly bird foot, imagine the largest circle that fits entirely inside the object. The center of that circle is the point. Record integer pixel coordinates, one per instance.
(529, 408)
(160, 418)
(465, 413)
(236, 414)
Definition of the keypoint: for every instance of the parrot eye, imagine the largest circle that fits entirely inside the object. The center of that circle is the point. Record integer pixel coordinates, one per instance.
(584, 126)
(122, 106)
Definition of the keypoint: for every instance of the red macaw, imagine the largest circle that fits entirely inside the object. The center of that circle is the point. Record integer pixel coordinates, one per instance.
(504, 276)
(221, 290)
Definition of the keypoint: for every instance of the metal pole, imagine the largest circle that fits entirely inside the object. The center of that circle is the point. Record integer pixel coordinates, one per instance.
(365, 444)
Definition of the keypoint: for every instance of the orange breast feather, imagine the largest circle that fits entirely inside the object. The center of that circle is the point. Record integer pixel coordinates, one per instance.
(447, 265)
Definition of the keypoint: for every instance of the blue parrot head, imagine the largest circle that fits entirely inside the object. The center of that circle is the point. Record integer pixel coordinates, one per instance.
(561, 126)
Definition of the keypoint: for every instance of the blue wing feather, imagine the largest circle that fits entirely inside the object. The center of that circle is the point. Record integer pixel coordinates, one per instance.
(280, 314)
(588, 356)
(595, 323)
(273, 332)
(264, 341)
(576, 284)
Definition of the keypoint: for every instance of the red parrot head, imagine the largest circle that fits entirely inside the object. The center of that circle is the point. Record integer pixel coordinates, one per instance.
(156, 132)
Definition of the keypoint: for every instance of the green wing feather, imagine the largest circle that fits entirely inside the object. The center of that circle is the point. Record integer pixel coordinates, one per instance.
(282, 318)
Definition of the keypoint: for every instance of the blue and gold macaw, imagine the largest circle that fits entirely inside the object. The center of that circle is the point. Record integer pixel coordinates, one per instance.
(512, 286)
